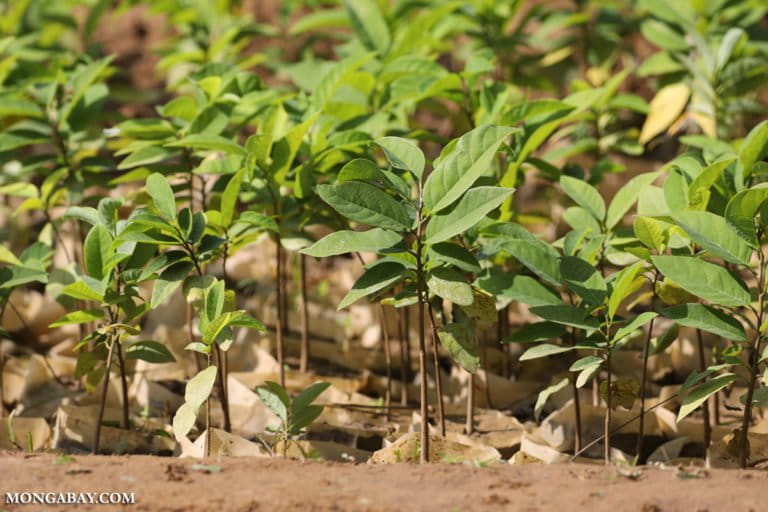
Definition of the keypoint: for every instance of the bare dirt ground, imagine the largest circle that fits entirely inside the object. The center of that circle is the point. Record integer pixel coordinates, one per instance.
(240, 484)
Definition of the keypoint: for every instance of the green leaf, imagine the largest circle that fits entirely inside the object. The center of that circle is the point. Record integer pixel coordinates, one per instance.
(360, 169)
(651, 232)
(661, 342)
(347, 241)
(543, 350)
(545, 394)
(168, 281)
(700, 394)
(377, 277)
(535, 332)
(183, 421)
(741, 209)
(403, 154)
(369, 24)
(86, 288)
(6, 256)
(583, 279)
(83, 213)
(470, 210)
(537, 256)
(456, 173)
(228, 320)
(97, 249)
(305, 417)
(209, 142)
(567, 315)
(454, 254)
(706, 318)
(79, 317)
(306, 397)
(162, 195)
(362, 202)
(706, 280)
(626, 197)
(229, 198)
(623, 285)
(150, 351)
(275, 398)
(712, 233)
(754, 148)
(450, 285)
(637, 322)
(146, 155)
(199, 387)
(585, 195)
(458, 339)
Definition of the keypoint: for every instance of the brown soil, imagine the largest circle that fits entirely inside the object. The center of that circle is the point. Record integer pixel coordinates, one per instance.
(164, 484)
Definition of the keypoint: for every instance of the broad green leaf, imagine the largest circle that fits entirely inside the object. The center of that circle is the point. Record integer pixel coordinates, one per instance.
(199, 387)
(585, 195)
(86, 288)
(362, 202)
(754, 147)
(705, 280)
(229, 198)
(450, 285)
(304, 418)
(651, 232)
(306, 397)
(403, 154)
(162, 195)
(637, 322)
(183, 421)
(665, 108)
(700, 394)
(544, 395)
(623, 285)
(275, 398)
(377, 277)
(741, 209)
(209, 142)
(626, 197)
(566, 315)
(150, 351)
(360, 169)
(458, 339)
(543, 350)
(97, 249)
(537, 256)
(347, 241)
(6, 256)
(79, 317)
(226, 321)
(712, 233)
(146, 155)
(471, 158)
(661, 342)
(535, 332)
(83, 213)
(583, 279)
(706, 318)
(470, 210)
(454, 254)
(168, 281)
(530, 291)
(369, 24)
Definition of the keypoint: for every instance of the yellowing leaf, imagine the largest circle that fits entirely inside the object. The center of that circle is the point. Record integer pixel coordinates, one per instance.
(664, 108)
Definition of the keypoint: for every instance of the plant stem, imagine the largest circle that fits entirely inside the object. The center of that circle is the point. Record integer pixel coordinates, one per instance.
(607, 429)
(421, 291)
(103, 398)
(220, 355)
(404, 356)
(280, 312)
(470, 427)
(2, 371)
(644, 378)
(387, 360)
(438, 376)
(754, 360)
(124, 386)
(208, 418)
(304, 359)
(502, 326)
(705, 405)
